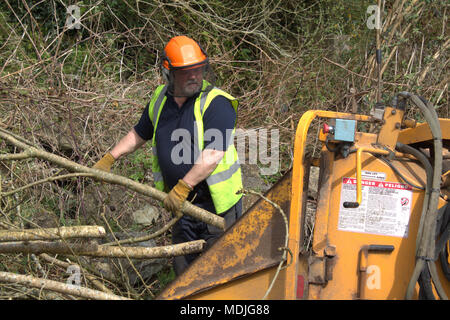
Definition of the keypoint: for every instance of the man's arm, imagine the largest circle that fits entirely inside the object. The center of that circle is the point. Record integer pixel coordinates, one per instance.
(219, 116)
(203, 167)
(128, 144)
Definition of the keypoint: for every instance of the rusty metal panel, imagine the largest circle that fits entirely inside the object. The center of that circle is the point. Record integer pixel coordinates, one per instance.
(250, 245)
(249, 287)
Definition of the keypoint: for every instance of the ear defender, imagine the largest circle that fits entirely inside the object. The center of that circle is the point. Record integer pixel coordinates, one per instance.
(165, 66)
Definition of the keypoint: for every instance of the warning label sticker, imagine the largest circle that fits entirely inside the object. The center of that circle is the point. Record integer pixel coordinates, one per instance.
(371, 175)
(385, 208)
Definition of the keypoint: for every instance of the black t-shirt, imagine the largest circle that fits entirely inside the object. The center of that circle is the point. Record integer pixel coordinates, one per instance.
(175, 140)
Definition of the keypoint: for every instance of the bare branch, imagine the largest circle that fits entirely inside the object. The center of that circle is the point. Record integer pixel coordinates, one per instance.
(145, 238)
(53, 233)
(15, 156)
(66, 265)
(93, 250)
(49, 179)
(188, 208)
(57, 286)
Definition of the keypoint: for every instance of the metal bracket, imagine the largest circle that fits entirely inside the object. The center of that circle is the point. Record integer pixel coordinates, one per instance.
(321, 267)
(362, 263)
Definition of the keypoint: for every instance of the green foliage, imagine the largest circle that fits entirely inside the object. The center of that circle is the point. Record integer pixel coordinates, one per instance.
(140, 163)
(165, 276)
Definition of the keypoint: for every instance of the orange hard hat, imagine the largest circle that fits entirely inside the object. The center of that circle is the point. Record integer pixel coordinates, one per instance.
(181, 52)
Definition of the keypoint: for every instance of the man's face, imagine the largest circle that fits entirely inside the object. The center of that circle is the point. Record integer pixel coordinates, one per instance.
(188, 82)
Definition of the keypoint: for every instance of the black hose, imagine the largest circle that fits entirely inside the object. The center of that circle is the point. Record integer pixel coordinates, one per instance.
(329, 148)
(426, 288)
(438, 168)
(398, 173)
(444, 263)
(429, 174)
(443, 227)
(426, 249)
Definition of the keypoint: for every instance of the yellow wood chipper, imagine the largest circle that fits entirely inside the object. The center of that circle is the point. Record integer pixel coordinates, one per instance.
(380, 228)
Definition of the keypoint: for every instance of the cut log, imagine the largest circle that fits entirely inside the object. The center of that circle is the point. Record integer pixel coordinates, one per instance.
(94, 250)
(149, 253)
(53, 233)
(38, 247)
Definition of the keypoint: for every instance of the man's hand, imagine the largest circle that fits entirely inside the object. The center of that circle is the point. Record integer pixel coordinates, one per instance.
(174, 200)
(105, 163)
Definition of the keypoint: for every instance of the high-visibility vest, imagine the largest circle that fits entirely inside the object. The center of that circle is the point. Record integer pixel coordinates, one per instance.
(226, 179)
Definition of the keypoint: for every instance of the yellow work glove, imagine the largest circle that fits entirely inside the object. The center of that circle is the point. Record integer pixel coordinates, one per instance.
(105, 163)
(174, 200)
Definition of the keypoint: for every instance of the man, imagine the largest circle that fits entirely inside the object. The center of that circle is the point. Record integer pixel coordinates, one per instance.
(191, 124)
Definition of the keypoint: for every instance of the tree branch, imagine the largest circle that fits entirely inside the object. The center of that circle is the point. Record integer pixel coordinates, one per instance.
(49, 179)
(66, 265)
(57, 286)
(94, 250)
(187, 208)
(147, 237)
(53, 233)
(15, 156)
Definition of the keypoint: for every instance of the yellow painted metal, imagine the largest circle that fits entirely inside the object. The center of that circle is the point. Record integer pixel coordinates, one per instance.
(394, 269)
(363, 265)
(423, 133)
(391, 127)
(409, 123)
(290, 284)
(341, 278)
(252, 287)
(448, 251)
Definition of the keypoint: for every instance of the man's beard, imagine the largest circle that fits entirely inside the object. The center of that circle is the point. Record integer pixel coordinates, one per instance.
(190, 89)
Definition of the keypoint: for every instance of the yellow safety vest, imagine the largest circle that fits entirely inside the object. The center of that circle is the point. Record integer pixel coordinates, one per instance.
(226, 179)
